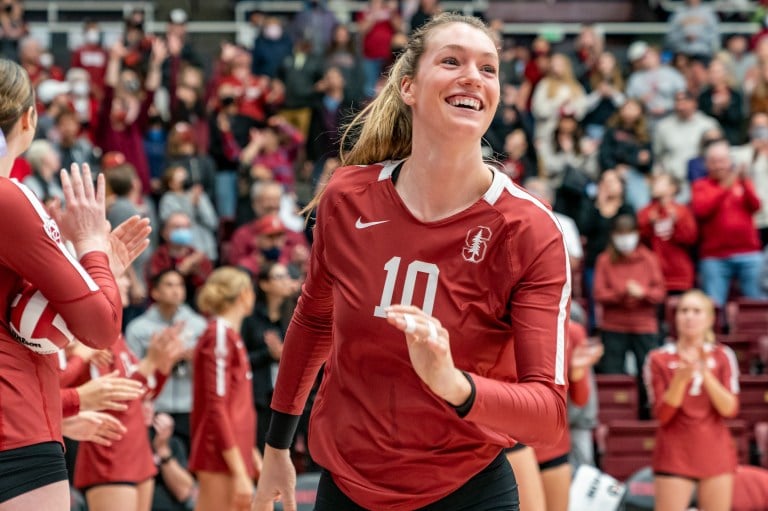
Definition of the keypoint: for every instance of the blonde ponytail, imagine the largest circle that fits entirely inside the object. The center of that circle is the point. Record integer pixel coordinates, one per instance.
(222, 288)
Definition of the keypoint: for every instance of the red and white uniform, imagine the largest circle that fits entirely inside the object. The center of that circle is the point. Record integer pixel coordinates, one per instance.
(496, 275)
(223, 415)
(578, 392)
(130, 459)
(692, 440)
(84, 293)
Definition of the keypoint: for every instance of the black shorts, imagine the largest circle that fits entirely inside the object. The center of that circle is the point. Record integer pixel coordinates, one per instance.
(86, 489)
(554, 462)
(31, 467)
(517, 447)
(493, 489)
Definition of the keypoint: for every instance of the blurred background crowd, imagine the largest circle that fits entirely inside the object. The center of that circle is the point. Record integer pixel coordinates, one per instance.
(653, 151)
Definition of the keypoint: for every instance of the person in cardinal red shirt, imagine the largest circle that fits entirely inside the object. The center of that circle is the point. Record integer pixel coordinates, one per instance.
(92, 57)
(79, 287)
(670, 230)
(724, 204)
(223, 453)
(437, 297)
(693, 386)
(629, 287)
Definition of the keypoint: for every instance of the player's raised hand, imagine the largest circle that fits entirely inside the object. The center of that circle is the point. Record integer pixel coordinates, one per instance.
(82, 220)
(126, 242)
(430, 351)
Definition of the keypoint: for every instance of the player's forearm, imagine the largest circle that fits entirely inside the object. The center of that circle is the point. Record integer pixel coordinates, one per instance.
(675, 393)
(726, 403)
(234, 461)
(530, 412)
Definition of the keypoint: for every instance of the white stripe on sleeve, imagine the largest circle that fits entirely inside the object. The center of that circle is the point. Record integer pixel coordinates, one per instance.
(565, 294)
(46, 219)
(221, 358)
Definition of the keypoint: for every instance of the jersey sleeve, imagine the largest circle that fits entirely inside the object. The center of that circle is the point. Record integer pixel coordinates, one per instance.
(216, 354)
(84, 292)
(74, 369)
(308, 339)
(578, 391)
(656, 383)
(70, 402)
(539, 306)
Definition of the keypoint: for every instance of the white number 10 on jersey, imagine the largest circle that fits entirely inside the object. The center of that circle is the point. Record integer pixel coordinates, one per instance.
(393, 269)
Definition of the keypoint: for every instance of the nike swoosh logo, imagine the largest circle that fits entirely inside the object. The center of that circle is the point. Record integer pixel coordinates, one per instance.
(364, 225)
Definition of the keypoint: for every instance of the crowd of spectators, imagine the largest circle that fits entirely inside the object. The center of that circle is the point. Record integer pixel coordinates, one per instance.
(654, 157)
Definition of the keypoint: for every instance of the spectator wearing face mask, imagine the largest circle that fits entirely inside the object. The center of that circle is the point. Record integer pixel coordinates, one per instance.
(180, 194)
(84, 99)
(92, 57)
(269, 245)
(37, 62)
(177, 252)
(270, 48)
(124, 113)
(629, 286)
(180, 50)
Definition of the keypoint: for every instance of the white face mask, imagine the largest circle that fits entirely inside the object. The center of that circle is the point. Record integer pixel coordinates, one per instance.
(80, 89)
(273, 31)
(46, 60)
(626, 243)
(92, 37)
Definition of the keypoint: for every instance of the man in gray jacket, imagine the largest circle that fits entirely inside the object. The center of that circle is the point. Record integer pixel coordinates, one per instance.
(170, 313)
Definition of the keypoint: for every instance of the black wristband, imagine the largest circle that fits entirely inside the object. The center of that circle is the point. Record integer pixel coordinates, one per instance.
(282, 427)
(166, 459)
(464, 408)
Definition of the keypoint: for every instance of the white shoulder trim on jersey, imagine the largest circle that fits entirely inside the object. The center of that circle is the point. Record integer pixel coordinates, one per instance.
(44, 217)
(562, 317)
(221, 358)
(499, 183)
(388, 168)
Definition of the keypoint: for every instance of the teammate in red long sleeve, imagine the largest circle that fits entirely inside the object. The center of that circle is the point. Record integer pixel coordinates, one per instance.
(693, 386)
(120, 476)
(418, 400)
(223, 454)
(544, 475)
(80, 287)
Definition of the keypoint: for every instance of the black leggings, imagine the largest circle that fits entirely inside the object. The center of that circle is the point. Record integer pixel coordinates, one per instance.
(31, 467)
(493, 489)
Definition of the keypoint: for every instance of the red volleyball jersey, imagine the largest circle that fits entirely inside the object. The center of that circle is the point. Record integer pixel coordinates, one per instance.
(496, 275)
(223, 415)
(83, 292)
(578, 393)
(129, 459)
(694, 440)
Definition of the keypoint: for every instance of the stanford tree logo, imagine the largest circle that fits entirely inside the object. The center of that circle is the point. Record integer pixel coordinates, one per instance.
(475, 244)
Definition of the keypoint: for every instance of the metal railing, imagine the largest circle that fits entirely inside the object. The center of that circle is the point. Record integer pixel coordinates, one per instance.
(343, 9)
(54, 9)
(722, 6)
